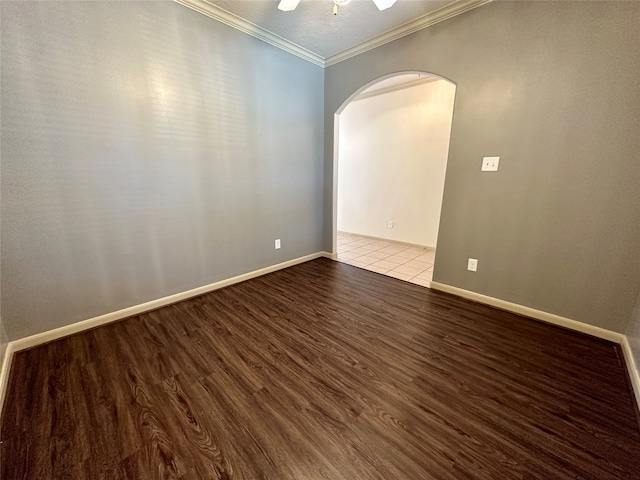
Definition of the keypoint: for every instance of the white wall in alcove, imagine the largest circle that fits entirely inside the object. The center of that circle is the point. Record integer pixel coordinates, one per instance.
(393, 154)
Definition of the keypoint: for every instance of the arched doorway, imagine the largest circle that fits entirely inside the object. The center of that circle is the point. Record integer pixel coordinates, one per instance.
(391, 142)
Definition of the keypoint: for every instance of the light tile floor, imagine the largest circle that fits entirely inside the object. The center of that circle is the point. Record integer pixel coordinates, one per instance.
(412, 264)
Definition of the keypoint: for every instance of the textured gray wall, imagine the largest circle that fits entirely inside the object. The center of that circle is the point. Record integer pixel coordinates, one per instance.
(147, 150)
(553, 88)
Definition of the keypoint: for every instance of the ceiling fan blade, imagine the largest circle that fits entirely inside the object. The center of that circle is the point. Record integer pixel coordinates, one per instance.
(383, 4)
(288, 5)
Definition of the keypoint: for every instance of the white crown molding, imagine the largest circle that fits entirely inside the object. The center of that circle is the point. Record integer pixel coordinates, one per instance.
(431, 18)
(228, 18)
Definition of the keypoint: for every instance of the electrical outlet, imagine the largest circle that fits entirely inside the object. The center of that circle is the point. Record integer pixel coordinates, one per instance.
(472, 265)
(390, 224)
(490, 164)
(277, 243)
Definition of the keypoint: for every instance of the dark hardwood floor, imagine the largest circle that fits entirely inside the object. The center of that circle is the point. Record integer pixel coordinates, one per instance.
(321, 371)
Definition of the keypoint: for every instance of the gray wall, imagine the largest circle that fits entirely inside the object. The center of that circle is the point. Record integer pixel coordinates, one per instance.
(147, 150)
(553, 88)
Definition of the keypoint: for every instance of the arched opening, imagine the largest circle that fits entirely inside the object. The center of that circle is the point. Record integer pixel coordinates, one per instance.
(391, 144)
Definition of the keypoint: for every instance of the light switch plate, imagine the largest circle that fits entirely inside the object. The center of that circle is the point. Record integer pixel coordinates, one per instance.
(472, 265)
(490, 164)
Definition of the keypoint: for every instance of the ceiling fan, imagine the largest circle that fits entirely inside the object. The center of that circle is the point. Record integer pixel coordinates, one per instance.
(288, 5)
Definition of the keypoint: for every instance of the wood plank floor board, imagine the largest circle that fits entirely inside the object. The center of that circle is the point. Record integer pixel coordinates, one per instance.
(321, 371)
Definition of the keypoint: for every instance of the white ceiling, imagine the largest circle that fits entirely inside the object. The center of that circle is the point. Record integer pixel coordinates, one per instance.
(313, 32)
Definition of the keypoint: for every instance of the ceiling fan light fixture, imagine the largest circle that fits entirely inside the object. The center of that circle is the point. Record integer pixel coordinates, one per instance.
(288, 5)
(384, 4)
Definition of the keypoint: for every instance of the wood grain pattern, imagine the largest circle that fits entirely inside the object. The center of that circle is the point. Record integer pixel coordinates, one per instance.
(321, 371)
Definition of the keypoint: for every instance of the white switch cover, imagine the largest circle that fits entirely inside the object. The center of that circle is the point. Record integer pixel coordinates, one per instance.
(277, 243)
(472, 264)
(490, 164)
(390, 224)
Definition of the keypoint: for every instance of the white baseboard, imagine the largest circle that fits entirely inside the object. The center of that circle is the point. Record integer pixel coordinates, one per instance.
(598, 332)
(57, 333)
(531, 312)
(48, 336)
(431, 248)
(5, 368)
(632, 368)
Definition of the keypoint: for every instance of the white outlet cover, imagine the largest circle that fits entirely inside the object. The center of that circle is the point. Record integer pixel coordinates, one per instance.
(490, 164)
(277, 244)
(472, 265)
